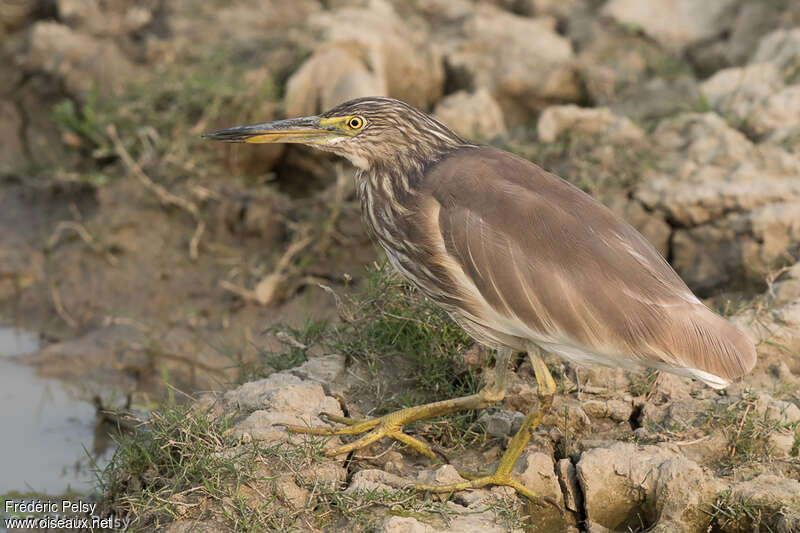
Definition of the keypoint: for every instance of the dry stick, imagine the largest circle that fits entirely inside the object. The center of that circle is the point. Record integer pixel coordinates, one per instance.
(739, 431)
(266, 290)
(166, 197)
(52, 241)
(84, 234)
(58, 305)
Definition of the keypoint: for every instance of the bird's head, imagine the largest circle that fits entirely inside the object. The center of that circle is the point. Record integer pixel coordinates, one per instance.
(367, 131)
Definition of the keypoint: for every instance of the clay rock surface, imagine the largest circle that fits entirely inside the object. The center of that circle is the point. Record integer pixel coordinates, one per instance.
(384, 57)
(281, 398)
(736, 203)
(675, 24)
(106, 18)
(600, 122)
(78, 59)
(760, 97)
(776, 319)
(472, 115)
(625, 484)
(522, 61)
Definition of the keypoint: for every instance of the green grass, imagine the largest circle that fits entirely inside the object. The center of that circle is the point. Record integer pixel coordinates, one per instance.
(392, 318)
(388, 324)
(391, 325)
(185, 465)
(732, 513)
(297, 343)
(748, 431)
(160, 120)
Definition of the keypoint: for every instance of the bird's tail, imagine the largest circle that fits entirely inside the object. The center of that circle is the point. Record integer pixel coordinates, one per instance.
(721, 353)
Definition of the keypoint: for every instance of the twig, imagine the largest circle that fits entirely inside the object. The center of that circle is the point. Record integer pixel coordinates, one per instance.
(84, 234)
(57, 304)
(739, 430)
(266, 291)
(167, 198)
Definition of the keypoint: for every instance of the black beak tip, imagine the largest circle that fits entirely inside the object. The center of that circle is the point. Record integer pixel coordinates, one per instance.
(228, 135)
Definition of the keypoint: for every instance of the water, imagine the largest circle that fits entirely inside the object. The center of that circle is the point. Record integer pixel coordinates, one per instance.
(46, 430)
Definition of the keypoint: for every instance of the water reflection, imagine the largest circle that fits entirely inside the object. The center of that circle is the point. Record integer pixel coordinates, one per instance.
(46, 431)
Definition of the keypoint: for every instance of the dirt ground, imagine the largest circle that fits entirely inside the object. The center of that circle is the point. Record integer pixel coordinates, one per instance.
(152, 261)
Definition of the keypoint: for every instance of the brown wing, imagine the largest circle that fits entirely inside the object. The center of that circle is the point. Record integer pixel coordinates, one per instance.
(550, 264)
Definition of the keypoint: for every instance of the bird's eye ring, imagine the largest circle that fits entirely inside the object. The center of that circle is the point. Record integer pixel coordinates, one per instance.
(355, 123)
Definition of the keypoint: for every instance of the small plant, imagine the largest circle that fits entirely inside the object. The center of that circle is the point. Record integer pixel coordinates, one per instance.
(732, 513)
(87, 121)
(748, 430)
(392, 320)
(296, 341)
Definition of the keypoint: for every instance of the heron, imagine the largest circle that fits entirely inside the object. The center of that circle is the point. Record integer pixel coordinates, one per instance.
(520, 258)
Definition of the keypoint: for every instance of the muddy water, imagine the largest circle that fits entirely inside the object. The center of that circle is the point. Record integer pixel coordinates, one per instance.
(46, 430)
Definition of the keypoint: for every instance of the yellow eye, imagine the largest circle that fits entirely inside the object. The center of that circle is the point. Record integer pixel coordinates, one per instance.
(355, 123)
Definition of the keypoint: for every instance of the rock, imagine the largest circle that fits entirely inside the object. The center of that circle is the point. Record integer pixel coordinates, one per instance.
(755, 98)
(439, 11)
(596, 122)
(405, 524)
(668, 386)
(472, 115)
(472, 498)
(325, 369)
(105, 18)
(610, 61)
(194, 526)
(82, 62)
(568, 480)
(560, 9)
(658, 98)
(372, 479)
(624, 483)
(347, 76)
(276, 400)
(752, 21)
(295, 496)
(465, 521)
(774, 497)
(501, 423)
(595, 408)
(617, 410)
(522, 61)
(737, 202)
(577, 421)
(536, 471)
(327, 475)
(15, 13)
(780, 48)
(769, 488)
(594, 527)
(781, 444)
(675, 24)
(385, 57)
(444, 475)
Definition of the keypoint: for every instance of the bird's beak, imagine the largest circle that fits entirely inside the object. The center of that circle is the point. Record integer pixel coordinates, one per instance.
(306, 130)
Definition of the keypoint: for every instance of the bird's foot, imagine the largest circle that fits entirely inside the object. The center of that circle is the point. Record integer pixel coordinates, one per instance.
(499, 477)
(374, 429)
(391, 425)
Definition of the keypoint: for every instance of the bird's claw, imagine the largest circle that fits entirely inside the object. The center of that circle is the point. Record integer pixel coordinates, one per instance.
(480, 481)
(374, 430)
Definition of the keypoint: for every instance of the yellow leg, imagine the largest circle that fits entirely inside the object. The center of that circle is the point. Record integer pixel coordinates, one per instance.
(502, 475)
(391, 425)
